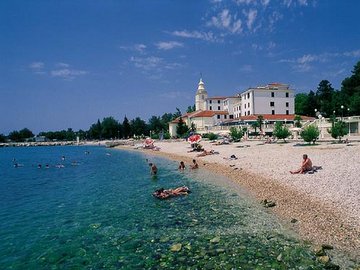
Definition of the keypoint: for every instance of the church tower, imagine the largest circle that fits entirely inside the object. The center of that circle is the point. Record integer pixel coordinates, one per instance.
(200, 97)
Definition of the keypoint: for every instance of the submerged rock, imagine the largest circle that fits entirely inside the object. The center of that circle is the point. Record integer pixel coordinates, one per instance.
(176, 247)
(323, 259)
(327, 246)
(215, 240)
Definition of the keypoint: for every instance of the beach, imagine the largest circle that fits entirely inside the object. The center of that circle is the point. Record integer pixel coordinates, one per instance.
(323, 207)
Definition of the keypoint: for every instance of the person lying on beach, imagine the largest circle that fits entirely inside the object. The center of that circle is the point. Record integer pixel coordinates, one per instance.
(206, 153)
(182, 165)
(168, 193)
(194, 165)
(153, 169)
(306, 165)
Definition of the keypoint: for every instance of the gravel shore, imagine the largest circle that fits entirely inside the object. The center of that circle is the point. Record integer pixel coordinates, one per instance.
(324, 207)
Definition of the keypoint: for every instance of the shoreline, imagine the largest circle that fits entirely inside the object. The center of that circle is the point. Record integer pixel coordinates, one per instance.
(314, 219)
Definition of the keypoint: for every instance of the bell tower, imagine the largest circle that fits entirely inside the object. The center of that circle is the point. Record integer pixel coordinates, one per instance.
(200, 97)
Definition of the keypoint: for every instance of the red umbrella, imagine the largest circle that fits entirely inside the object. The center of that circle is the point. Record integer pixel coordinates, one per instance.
(149, 142)
(194, 138)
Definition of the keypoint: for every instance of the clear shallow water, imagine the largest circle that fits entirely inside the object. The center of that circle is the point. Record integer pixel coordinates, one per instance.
(100, 214)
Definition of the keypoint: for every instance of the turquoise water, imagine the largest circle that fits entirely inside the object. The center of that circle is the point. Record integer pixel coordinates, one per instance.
(100, 214)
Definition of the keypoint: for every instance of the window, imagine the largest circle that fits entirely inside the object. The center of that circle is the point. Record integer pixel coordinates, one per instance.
(210, 102)
(272, 94)
(218, 116)
(273, 112)
(225, 116)
(218, 101)
(287, 94)
(231, 116)
(287, 112)
(245, 105)
(248, 112)
(218, 108)
(249, 105)
(202, 96)
(272, 103)
(248, 95)
(287, 104)
(210, 108)
(245, 113)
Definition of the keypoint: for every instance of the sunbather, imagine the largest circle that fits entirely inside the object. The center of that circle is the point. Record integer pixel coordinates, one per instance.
(168, 193)
(306, 165)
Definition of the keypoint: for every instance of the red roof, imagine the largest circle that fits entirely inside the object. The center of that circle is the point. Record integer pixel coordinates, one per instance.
(274, 117)
(207, 113)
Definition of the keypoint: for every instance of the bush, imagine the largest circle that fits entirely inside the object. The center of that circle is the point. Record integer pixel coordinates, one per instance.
(310, 134)
(210, 136)
(236, 134)
(338, 130)
(281, 131)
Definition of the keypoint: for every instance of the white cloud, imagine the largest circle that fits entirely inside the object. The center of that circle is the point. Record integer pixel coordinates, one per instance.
(251, 16)
(355, 53)
(265, 2)
(172, 95)
(63, 65)
(37, 65)
(224, 20)
(206, 36)
(303, 2)
(168, 45)
(67, 74)
(153, 63)
(246, 2)
(136, 47)
(246, 68)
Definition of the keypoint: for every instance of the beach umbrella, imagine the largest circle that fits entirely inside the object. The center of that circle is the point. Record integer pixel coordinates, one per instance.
(194, 138)
(148, 142)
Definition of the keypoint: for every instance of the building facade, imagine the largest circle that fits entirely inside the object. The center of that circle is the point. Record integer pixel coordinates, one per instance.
(274, 98)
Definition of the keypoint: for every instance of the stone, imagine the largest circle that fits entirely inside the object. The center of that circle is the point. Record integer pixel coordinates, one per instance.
(270, 204)
(294, 220)
(279, 258)
(319, 251)
(215, 240)
(331, 266)
(176, 247)
(326, 246)
(323, 259)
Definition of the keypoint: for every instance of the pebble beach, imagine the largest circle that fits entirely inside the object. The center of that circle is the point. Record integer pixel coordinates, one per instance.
(323, 207)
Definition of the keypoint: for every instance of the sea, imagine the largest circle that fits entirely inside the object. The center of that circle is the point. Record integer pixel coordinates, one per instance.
(92, 208)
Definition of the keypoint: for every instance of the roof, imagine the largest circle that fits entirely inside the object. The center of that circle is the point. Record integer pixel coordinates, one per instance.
(199, 113)
(219, 97)
(274, 117)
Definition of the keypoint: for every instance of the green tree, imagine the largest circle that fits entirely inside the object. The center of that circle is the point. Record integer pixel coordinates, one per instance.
(338, 130)
(260, 121)
(297, 121)
(15, 136)
(255, 125)
(312, 104)
(181, 128)
(138, 126)
(236, 134)
(190, 109)
(301, 104)
(110, 128)
(155, 124)
(26, 133)
(70, 135)
(95, 131)
(324, 94)
(310, 134)
(281, 131)
(126, 128)
(2, 138)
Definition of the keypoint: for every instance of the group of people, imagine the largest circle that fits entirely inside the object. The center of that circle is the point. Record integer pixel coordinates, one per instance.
(194, 165)
(168, 193)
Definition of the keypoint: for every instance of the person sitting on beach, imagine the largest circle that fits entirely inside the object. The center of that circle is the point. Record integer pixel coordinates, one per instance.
(306, 165)
(182, 165)
(153, 169)
(167, 193)
(195, 165)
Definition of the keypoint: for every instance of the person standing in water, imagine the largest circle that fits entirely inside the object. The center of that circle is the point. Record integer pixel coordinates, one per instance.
(153, 169)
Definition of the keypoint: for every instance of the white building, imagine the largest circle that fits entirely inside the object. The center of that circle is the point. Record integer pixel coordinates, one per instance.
(274, 98)
(200, 97)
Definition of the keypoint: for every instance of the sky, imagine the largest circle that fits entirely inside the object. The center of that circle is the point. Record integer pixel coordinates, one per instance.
(66, 63)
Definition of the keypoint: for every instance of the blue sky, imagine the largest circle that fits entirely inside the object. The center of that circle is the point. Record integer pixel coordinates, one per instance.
(67, 63)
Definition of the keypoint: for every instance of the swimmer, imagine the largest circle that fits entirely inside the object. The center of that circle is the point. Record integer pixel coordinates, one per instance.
(182, 165)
